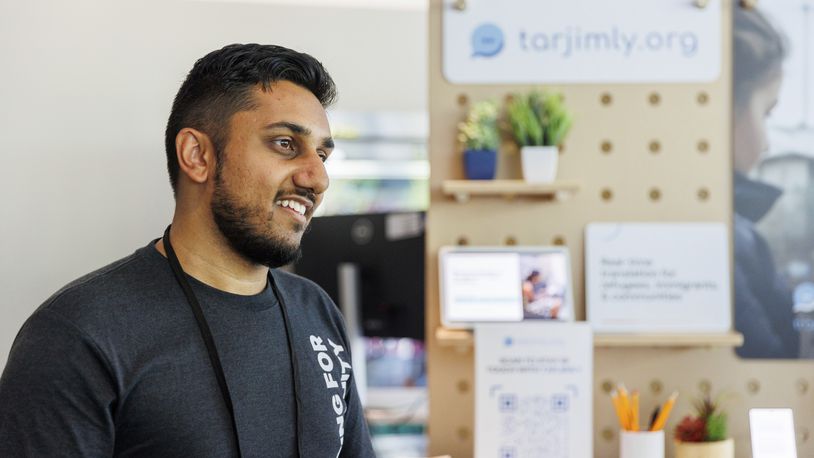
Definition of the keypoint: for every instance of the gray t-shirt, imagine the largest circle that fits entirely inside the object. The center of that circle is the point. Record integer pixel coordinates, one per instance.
(114, 365)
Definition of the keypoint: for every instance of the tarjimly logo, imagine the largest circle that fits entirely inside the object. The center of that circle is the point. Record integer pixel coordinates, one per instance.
(487, 40)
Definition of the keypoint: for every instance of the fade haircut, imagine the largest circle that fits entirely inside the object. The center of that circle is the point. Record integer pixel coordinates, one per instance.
(221, 84)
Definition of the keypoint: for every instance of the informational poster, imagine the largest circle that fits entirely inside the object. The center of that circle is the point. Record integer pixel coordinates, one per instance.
(533, 390)
(658, 277)
(581, 41)
(482, 287)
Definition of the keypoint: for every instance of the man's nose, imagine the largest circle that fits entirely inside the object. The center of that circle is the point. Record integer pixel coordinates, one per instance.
(311, 173)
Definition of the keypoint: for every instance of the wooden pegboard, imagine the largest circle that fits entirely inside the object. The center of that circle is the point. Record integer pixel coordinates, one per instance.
(645, 153)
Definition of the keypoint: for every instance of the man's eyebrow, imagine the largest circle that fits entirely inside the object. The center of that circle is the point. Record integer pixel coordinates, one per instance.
(327, 142)
(293, 127)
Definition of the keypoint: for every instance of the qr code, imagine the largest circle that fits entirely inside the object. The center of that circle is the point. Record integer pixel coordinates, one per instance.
(508, 402)
(534, 426)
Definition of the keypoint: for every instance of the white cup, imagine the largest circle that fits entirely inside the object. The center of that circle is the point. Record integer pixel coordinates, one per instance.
(641, 444)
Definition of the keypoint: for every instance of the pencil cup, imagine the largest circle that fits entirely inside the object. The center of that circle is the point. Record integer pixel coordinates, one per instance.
(641, 444)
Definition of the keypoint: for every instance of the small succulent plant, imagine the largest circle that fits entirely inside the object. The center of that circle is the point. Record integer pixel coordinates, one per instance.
(708, 424)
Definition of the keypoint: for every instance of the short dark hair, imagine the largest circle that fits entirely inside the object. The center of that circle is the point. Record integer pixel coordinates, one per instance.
(221, 83)
(758, 51)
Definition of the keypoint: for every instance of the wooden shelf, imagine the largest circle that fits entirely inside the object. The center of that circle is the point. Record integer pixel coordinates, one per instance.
(464, 338)
(463, 190)
(727, 339)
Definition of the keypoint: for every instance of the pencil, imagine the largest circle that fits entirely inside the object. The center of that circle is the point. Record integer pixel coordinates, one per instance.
(625, 401)
(617, 406)
(665, 411)
(634, 411)
(653, 418)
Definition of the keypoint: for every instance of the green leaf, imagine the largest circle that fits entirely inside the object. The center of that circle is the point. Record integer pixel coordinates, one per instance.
(480, 129)
(716, 427)
(538, 119)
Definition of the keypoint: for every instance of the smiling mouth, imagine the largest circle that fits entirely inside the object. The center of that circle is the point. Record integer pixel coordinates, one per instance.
(293, 205)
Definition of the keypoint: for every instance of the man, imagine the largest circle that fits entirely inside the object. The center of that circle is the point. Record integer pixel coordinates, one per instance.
(192, 346)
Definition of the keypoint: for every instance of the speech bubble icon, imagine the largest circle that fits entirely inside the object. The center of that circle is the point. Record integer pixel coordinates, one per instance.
(487, 40)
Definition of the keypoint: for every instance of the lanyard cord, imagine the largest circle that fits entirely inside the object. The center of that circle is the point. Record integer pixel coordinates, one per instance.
(206, 334)
(203, 326)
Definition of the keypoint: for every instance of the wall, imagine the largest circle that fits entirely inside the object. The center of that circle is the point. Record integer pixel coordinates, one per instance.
(86, 87)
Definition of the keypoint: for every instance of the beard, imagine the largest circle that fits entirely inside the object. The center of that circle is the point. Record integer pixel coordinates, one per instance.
(249, 230)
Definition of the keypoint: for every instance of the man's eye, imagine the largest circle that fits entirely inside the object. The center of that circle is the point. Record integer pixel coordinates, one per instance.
(323, 155)
(285, 143)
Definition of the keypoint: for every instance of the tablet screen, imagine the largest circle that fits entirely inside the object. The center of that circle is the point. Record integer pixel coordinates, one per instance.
(500, 284)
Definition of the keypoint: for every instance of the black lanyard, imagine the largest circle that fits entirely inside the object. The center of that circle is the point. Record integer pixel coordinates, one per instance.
(206, 334)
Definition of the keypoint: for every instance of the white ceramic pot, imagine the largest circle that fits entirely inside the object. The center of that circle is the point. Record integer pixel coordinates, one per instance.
(641, 444)
(717, 449)
(539, 163)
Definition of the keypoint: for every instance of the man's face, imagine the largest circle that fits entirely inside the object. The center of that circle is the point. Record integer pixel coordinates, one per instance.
(272, 177)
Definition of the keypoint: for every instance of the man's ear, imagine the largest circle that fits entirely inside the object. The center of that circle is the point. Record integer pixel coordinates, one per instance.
(196, 158)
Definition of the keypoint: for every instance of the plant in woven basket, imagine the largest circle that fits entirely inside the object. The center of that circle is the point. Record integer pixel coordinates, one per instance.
(708, 424)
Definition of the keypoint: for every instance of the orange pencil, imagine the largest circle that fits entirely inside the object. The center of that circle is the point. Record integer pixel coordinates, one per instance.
(665, 411)
(634, 411)
(617, 406)
(625, 401)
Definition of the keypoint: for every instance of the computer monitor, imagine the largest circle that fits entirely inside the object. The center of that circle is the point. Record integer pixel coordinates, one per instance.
(388, 252)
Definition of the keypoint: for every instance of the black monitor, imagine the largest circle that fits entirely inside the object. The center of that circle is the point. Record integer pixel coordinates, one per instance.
(388, 251)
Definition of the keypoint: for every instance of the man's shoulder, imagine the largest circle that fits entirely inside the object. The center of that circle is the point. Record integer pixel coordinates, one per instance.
(302, 289)
(116, 283)
(290, 281)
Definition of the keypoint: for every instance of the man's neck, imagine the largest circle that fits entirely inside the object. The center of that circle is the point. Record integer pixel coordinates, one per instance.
(206, 255)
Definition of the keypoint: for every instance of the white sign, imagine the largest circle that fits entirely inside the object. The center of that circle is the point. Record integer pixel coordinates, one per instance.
(533, 390)
(581, 41)
(772, 432)
(650, 277)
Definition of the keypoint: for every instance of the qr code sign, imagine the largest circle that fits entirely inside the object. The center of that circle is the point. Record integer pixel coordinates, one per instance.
(534, 426)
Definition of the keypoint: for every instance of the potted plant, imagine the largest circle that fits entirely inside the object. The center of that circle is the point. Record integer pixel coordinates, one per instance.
(538, 123)
(480, 138)
(704, 435)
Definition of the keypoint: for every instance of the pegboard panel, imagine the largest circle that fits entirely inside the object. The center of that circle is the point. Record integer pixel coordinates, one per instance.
(656, 152)
(692, 371)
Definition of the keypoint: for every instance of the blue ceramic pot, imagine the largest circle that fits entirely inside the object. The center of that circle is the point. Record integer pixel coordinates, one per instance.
(480, 164)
